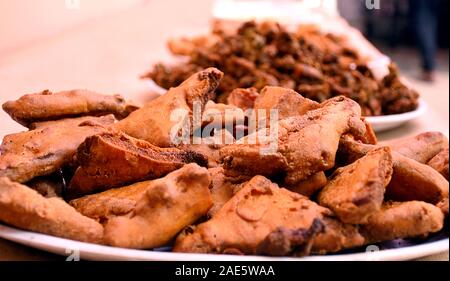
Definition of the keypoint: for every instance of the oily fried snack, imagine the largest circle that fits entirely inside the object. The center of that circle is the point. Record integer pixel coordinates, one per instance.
(422, 147)
(114, 159)
(337, 236)
(48, 106)
(286, 101)
(440, 162)
(222, 189)
(244, 224)
(153, 121)
(168, 205)
(43, 151)
(356, 191)
(402, 220)
(306, 144)
(311, 185)
(443, 205)
(410, 180)
(48, 186)
(243, 98)
(106, 120)
(23, 207)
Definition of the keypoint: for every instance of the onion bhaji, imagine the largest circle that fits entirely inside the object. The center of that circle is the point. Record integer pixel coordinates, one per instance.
(440, 162)
(319, 66)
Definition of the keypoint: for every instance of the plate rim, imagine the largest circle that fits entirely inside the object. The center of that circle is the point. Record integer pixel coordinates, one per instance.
(89, 251)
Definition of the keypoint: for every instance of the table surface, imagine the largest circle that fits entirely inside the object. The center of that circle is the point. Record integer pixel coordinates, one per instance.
(109, 53)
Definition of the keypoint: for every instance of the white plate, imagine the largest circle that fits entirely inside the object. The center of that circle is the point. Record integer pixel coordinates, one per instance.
(89, 251)
(388, 122)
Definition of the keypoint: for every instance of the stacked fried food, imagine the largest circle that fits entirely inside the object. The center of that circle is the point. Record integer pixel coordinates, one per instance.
(80, 173)
(318, 66)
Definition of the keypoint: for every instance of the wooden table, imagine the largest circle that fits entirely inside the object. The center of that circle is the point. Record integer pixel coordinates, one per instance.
(109, 53)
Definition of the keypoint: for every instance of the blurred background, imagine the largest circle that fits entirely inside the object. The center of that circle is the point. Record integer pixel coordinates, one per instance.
(105, 45)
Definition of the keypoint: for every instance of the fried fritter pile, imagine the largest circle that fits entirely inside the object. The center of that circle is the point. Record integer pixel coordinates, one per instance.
(318, 66)
(315, 183)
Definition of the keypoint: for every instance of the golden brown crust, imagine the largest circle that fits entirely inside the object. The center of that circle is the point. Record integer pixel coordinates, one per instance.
(255, 211)
(356, 191)
(106, 120)
(47, 106)
(311, 185)
(114, 159)
(23, 207)
(243, 98)
(440, 162)
(169, 205)
(402, 220)
(43, 151)
(154, 118)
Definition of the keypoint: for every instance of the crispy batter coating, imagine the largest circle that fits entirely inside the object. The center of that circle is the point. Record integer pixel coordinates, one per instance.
(356, 191)
(47, 106)
(169, 205)
(410, 180)
(256, 211)
(440, 163)
(402, 220)
(222, 189)
(311, 185)
(106, 120)
(421, 147)
(337, 236)
(43, 151)
(243, 98)
(114, 159)
(306, 144)
(23, 207)
(152, 122)
(443, 205)
(286, 101)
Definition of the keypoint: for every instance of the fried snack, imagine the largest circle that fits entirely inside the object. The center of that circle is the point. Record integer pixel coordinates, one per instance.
(113, 202)
(41, 152)
(245, 223)
(337, 236)
(319, 66)
(421, 147)
(153, 121)
(402, 220)
(440, 163)
(106, 120)
(222, 189)
(187, 46)
(443, 205)
(306, 144)
(286, 101)
(410, 180)
(168, 205)
(243, 98)
(357, 190)
(24, 208)
(48, 106)
(311, 185)
(220, 115)
(114, 159)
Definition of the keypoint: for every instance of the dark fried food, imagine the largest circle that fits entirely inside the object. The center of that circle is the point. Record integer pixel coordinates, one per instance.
(286, 101)
(421, 147)
(114, 159)
(357, 190)
(319, 66)
(443, 205)
(153, 121)
(306, 144)
(440, 162)
(169, 205)
(23, 207)
(402, 220)
(410, 180)
(48, 106)
(49, 186)
(41, 152)
(256, 211)
(311, 185)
